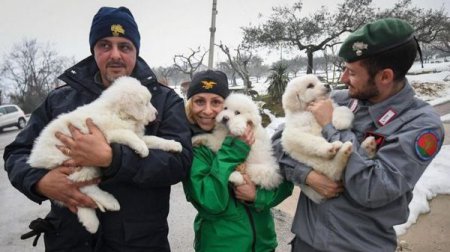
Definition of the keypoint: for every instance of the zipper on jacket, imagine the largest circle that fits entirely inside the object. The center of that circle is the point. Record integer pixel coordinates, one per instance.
(252, 224)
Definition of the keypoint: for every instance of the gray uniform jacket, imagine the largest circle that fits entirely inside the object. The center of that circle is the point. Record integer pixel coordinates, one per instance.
(377, 191)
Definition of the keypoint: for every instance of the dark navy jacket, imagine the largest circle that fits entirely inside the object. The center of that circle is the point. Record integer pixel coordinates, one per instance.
(141, 185)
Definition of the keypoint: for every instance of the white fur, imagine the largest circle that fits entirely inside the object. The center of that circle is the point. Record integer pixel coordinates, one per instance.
(302, 138)
(261, 165)
(121, 113)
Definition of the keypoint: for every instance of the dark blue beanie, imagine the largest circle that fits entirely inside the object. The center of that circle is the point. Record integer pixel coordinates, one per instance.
(114, 22)
(209, 81)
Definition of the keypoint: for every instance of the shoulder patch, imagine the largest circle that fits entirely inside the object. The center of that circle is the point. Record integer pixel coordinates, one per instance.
(427, 145)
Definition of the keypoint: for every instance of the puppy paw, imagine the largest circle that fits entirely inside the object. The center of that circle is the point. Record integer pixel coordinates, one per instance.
(370, 146)
(347, 148)
(88, 219)
(111, 205)
(142, 150)
(333, 148)
(236, 178)
(342, 118)
(172, 145)
(198, 140)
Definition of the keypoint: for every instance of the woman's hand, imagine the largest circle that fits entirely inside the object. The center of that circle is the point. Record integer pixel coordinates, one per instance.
(247, 191)
(249, 135)
(89, 149)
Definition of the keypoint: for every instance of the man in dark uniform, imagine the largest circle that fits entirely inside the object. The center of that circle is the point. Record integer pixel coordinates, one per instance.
(374, 194)
(141, 185)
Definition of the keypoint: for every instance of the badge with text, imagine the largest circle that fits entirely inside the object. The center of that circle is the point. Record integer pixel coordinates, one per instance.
(379, 139)
(353, 105)
(427, 145)
(387, 117)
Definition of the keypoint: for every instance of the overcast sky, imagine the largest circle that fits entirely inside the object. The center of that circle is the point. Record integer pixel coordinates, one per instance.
(167, 27)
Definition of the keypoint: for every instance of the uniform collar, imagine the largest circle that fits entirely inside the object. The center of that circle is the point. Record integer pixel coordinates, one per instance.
(384, 112)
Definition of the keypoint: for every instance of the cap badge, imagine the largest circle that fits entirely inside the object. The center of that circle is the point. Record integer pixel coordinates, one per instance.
(208, 84)
(117, 30)
(358, 47)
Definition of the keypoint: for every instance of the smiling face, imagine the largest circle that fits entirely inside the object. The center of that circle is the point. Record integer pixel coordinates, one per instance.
(115, 57)
(204, 109)
(360, 85)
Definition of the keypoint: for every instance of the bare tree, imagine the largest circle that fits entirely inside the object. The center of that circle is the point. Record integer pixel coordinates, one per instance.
(288, 27)
(225, 67)
(30, 71)
(189, 64)
(442, 42)
(239, 63)
(164, 73)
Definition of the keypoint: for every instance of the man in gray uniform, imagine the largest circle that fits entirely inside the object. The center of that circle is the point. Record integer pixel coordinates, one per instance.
(374, 193)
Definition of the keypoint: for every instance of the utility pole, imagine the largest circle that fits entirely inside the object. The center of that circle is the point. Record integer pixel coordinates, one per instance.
(212, 30)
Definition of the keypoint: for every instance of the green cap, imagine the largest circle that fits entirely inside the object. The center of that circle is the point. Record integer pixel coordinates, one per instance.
(376, 37)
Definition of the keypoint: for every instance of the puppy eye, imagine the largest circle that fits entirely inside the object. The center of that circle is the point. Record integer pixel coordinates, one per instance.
(310, 85)
(225, 108)
(237, 112)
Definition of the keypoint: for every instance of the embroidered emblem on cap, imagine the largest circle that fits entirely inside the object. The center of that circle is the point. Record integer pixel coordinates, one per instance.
(117, 30)
(208, 84)
(426, 145)
(358, 47)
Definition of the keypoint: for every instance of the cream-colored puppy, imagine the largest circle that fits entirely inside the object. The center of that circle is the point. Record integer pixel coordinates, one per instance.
(121, 113)
(302, 138)
(261, 166)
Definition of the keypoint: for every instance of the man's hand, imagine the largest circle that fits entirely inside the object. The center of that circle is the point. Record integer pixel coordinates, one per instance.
(89, 149)
(322, 111)
(57, 186)
(247, 191)
(323, 185)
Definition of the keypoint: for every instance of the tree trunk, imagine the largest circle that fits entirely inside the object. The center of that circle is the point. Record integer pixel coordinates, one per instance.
(309, 54)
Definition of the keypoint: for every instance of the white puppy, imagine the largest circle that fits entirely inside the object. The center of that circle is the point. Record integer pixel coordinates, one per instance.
(261, 166)
(121, 113)
(302, 138)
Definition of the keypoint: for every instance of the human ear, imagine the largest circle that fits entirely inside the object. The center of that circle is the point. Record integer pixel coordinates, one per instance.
(387, 75)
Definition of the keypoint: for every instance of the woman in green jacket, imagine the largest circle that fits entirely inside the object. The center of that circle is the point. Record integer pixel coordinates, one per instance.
(229, 218)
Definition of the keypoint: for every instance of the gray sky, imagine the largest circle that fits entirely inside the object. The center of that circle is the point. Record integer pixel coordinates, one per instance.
(167, 27)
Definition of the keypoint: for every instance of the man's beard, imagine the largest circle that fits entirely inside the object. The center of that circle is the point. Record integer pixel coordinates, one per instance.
(370, 90)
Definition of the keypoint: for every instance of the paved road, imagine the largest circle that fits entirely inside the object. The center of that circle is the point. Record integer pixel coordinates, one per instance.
(17, 211)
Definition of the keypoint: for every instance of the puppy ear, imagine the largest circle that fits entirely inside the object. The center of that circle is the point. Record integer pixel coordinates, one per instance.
(132, 104)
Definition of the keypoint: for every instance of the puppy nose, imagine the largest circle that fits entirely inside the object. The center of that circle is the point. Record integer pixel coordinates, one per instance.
(225, 119)
(328, 87)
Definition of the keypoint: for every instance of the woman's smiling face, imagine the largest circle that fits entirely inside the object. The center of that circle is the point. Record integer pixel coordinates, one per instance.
(205, 107)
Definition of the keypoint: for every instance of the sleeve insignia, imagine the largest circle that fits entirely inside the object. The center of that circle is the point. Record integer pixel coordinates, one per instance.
(427, 145)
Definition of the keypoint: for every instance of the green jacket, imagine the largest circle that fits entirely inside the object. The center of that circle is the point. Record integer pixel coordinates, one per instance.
(224, 223)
